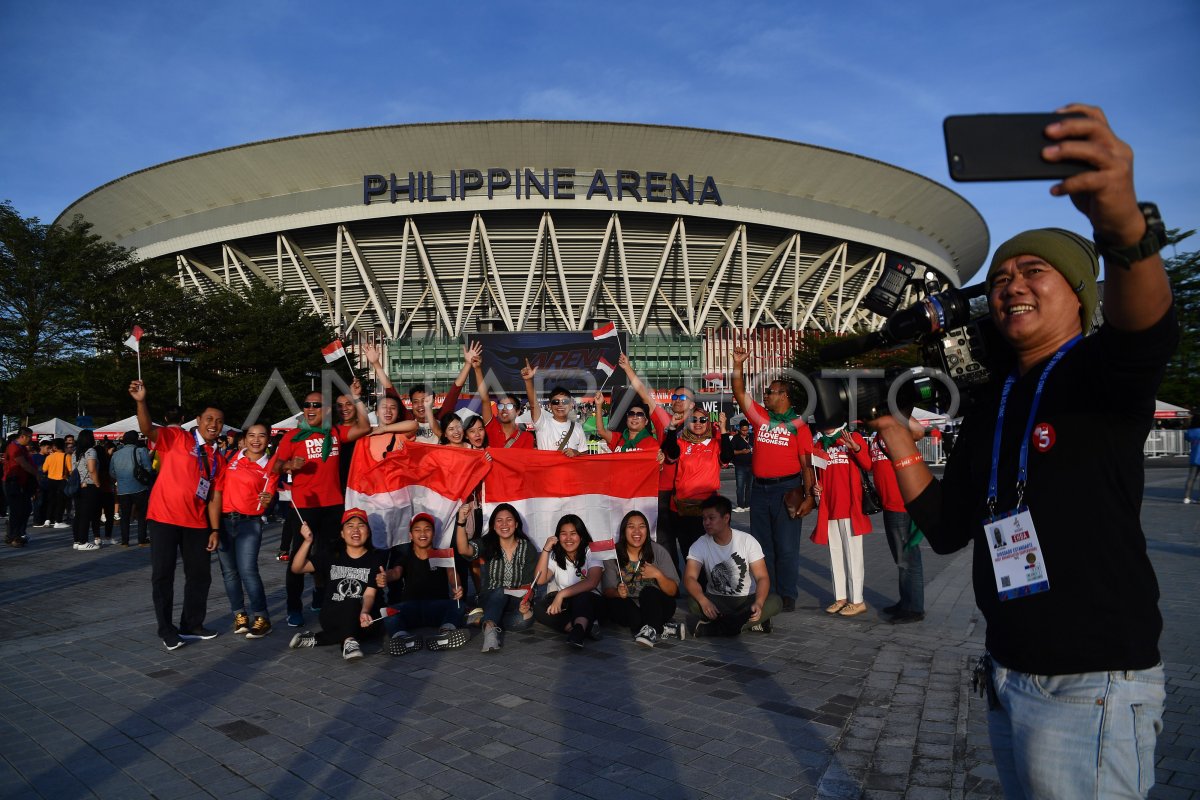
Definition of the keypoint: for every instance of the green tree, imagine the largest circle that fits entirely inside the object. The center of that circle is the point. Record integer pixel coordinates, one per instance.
(1181, 385)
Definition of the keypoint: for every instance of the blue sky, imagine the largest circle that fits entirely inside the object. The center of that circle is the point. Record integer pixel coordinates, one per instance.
(93, 91)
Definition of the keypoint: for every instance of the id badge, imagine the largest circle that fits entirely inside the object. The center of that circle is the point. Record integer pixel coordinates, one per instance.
(1016, 555)
(202, 488)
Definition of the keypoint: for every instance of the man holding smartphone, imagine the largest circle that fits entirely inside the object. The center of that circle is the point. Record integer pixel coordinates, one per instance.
(1053, 458)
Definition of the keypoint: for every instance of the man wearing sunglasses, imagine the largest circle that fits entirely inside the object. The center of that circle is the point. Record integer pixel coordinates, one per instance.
(501, 426)
(310, 459)
(559, 430)
(780, 462)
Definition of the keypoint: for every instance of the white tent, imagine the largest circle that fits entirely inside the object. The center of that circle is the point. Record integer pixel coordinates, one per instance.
(187, 426)
(117, 429)
(55, 428)
(1164, 410)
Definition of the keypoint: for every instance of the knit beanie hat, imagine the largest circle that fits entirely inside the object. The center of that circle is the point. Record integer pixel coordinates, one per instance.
(1072, 255)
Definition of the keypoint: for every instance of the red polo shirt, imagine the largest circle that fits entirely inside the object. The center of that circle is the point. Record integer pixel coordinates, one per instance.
(499, 439)
(242, 481)
(173, 500)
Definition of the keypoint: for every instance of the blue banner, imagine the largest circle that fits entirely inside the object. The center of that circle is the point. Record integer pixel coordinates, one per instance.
(576, 361)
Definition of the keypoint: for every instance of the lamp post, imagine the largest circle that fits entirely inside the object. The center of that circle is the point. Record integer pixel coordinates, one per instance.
(178, 361)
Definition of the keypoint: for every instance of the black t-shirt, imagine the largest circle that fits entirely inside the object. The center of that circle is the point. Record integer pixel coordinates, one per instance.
(739, 442)
(1084, 491)
(420, 581)
(347, 578)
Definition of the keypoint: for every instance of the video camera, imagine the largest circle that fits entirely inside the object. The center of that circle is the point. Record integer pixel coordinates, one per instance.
(958, 347)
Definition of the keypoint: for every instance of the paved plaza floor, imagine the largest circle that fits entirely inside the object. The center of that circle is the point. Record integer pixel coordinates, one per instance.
(92, 705)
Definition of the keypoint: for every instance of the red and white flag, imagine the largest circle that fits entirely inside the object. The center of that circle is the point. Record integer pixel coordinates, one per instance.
(605, 366)
(412, 479)
(134, 342)
(442, 558)
(333, 351)
(543, 486)
(603, 549)
(520, 592)
(605, 331)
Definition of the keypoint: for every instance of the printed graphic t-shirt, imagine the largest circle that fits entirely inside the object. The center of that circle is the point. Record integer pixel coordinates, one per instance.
(728, 566)
(318, 483)
(347, 578)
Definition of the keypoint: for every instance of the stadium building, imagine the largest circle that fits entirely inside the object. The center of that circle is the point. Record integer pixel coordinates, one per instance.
(419, 235)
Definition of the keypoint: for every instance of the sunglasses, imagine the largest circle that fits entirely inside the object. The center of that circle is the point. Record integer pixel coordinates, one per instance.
(506, 406)
(560, 401)
(312, 404)
(636, 414)
(699, 420)
(680, 397)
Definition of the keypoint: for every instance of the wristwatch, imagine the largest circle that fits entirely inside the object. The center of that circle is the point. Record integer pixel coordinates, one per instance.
(1154, 240)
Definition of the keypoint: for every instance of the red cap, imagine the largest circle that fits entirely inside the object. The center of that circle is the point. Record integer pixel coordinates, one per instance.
(422, 516)
(351, 513)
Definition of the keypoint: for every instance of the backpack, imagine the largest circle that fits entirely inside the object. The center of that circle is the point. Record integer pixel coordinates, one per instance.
(141, 474)
(73, 484)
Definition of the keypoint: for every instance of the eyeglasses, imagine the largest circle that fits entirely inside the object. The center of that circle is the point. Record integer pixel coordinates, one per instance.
(636, 414)
(680, 397)
(312, 404)
(699, 420)
(506, 406)
(560, 401)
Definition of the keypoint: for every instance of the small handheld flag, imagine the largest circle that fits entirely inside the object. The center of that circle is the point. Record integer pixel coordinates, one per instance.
(333, 351)
(605, 366)
(441, 558)
(605, 331)
(134, 343)
(604, 549)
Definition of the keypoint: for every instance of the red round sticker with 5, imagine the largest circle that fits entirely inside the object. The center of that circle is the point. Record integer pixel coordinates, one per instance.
(1043, 436)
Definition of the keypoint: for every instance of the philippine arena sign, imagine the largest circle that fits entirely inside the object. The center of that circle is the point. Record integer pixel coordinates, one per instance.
(558, 183)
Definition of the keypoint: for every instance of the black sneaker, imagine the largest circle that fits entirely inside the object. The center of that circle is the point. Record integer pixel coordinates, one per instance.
(173, 642)
(789, 604)
(199, 633)
(260, 628)
(761, 627)
(448, 639)
(891, 610)
(903, 617)
(576, 636)
(402, 643)
(241, 622)
(594, 633)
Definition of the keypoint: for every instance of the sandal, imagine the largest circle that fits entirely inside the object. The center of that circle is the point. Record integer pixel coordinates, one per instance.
(836, 608)
(853, 609)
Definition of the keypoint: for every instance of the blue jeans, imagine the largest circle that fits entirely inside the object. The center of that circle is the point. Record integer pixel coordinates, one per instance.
(240, 539)
(1076, 736)
(898, 524)
(778, 534)
(745, 479)
(503, 611)
(424, 613)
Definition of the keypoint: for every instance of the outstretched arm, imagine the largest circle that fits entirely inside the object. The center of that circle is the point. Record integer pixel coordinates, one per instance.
(535, 410)
(1136, 297)
(601, 429)
(740, 356)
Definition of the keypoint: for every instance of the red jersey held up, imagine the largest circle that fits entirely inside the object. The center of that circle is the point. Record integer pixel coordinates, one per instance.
(173, 500)
(318, 483)
(777, 448)
(242, 481)
(841, 488)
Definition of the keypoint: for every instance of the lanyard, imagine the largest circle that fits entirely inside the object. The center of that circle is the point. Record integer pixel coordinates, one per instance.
(1023, 462)
(202, 459)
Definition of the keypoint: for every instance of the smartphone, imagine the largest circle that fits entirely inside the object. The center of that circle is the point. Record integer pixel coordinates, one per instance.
(1004, 147)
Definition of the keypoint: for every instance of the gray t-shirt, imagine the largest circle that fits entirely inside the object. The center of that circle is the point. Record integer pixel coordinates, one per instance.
(632, 573)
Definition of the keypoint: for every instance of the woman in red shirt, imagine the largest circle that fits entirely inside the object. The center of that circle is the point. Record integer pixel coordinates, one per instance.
(840, 520)
(243, 490)
(698, 453)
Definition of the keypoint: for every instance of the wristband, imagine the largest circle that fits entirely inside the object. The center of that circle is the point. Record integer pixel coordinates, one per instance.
(908, 461)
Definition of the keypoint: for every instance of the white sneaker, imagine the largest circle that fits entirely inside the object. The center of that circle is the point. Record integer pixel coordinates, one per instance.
(97, 541)
(45, 524)
(61, 525)
(87, 546)
(1187, 501)
(646, 637)
(491, 639)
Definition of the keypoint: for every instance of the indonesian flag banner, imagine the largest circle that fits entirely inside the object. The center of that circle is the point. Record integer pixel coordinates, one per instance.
(543, 485)
(411, 479)
(604, 549)
(604, 331)
(442, 558)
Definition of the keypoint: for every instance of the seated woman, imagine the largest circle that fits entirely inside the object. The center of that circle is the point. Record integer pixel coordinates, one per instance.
(509, 562)
(429, 596)
(641, 585)
(572, 579)
(350, 577)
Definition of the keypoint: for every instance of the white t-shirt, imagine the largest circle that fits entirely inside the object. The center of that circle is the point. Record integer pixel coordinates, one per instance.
(728, 566)
(425, 434)
(562, 578)
(549, 433)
